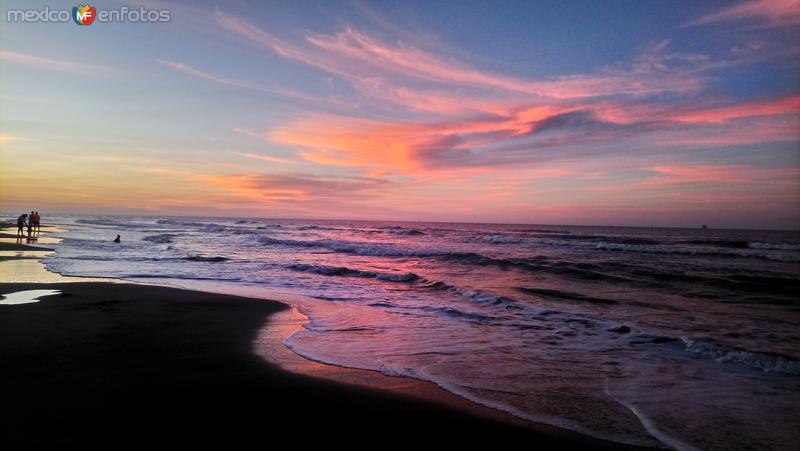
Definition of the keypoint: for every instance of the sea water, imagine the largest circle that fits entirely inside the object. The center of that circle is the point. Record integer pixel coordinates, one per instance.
(686, 338)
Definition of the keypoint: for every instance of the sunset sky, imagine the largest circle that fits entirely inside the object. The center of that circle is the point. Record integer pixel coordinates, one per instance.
(674, 113)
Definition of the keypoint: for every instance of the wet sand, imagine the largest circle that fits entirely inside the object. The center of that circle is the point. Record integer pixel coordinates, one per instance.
(5, 246)
(118, 365)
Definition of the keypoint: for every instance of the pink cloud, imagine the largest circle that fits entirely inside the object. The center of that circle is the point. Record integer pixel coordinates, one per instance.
(360, 58)
(785, 105)
(412, 147)
(688, 185)
(774, 12)
(737, 131)
(258, 156)
(269, 189)
(683, 175)
(476, 111)
(631, 112)
(349, 141)
(665, 176)
(432, 100)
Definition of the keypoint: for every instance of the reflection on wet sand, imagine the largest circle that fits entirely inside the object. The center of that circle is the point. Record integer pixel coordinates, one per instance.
(26, 297)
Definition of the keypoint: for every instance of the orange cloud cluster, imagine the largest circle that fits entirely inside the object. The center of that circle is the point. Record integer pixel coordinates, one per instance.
(409, 147)
(485, 120)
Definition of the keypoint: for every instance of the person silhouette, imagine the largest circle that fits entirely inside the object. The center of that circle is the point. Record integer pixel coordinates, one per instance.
(30, 224)
(117, 240)
(21, 224)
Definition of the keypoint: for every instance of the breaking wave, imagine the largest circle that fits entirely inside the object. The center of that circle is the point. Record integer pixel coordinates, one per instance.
(733, 244)
(501, 239)
(767, 362)
(722, 252)
(200, 258)
(161, 239)
(349, 272)
(403, 231)
(568, 296)
(775, 246)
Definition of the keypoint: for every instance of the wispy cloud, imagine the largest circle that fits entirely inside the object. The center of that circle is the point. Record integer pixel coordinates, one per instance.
(251, 133)
(300, 186)
(773, 13)
(189, 70)
(56, 65)
(733, 132)
(268, 189)
(360, 58)
(704, 174)
(790, 104)
(688, 184)
(462, 117)
(278, 92)
(271, 159)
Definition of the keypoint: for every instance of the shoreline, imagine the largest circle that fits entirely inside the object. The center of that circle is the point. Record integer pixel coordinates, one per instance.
(282, 324)
(166, 361)
(267, 345)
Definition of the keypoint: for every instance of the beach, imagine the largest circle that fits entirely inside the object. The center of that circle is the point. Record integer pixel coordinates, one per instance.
(128, 366)
(540, 224)
(559, 335)
(393, 223)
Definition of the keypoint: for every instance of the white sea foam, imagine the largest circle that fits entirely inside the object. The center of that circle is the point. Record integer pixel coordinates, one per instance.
(651, 427)
(703, 252)
(723, 354)
(501, 239)
(778, 246)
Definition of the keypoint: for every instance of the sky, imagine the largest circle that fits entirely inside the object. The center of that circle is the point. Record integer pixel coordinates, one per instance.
(643, 113)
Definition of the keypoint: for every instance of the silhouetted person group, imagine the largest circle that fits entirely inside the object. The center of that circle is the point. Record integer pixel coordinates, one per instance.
(32, 222)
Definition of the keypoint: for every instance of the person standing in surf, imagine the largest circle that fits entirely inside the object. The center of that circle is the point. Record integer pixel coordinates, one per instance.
(21, 224)
(30, 224)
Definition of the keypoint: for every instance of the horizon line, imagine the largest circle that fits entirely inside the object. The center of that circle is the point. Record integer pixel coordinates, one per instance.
(700, 227)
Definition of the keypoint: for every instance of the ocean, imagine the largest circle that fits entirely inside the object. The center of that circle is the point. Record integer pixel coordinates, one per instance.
(687, 338)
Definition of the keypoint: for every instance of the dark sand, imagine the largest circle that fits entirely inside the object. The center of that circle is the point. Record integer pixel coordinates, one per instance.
(21, 247)
(106, 365)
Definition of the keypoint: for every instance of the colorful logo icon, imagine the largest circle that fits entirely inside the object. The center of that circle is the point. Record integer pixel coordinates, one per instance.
(83, 14)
